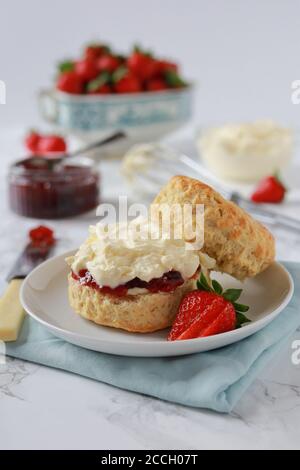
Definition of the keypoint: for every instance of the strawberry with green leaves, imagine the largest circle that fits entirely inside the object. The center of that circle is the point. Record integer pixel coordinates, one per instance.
(208, 311)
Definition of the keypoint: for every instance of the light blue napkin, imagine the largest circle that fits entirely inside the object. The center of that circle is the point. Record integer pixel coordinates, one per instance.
(214, 380)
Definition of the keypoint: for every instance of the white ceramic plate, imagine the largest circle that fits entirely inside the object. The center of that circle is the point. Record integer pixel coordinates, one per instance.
(44, 297)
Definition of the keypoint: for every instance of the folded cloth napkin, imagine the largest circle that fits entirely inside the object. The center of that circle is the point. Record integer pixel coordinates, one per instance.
(214, 380)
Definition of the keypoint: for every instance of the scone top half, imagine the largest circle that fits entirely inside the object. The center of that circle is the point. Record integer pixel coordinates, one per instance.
(240, 245)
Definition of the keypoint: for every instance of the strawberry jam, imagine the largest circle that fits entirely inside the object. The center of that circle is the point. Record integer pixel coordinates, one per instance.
(42, 236)
(41, 192)
(167, 283)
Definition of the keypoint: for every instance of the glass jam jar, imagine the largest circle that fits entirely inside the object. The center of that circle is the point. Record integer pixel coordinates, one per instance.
(45, 192)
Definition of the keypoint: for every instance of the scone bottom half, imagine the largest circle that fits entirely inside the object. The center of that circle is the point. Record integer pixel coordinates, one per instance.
(142, 313)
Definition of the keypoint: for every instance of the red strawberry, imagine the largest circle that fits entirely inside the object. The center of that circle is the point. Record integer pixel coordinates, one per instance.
(164, 66)
(86, 69)
(208, 311)
(70, 82)
(270, 189)
(156, 84)
(94, 51)
(108, 63)
(128, 84)
(32, 141)
(51, 143)
(142, 65)
(101, 90)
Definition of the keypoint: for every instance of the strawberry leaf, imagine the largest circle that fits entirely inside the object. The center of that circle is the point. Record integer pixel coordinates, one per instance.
(173, 79)
(137, 48)
(217, 287)
(66, 66)
(240, 307)
(119, 74)
(232, 294)
(241, 320)
(202, 284)
(95, 45)
(101, 80)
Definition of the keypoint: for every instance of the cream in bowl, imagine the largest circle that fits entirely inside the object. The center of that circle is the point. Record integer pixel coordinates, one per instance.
(247, 151)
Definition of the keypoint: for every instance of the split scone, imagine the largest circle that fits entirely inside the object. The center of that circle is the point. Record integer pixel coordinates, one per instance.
(133, 275)
(241, 246)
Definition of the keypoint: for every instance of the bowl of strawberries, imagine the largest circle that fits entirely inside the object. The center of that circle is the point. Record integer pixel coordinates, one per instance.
(101, 91)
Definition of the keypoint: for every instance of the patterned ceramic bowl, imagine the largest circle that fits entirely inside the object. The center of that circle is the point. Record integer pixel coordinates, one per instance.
(144, 116)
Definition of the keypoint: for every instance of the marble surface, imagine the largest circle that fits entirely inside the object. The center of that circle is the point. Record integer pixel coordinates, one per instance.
(43, 408)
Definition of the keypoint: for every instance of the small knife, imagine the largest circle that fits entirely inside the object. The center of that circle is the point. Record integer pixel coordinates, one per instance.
(11, 310)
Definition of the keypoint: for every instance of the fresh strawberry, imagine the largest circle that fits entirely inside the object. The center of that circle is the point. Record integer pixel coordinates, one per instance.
(94, 51)
(164, 66)
(108, 63)
(156, 84)
(217, 316)
(70, 82)
(51, 143)
(208, 311)
(270, 189)
(32, 141)
(86, 69)
(142, 65)
(101, 90)
(126, 82)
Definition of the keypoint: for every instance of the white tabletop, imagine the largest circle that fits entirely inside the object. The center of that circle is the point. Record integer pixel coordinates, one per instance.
(43, 408)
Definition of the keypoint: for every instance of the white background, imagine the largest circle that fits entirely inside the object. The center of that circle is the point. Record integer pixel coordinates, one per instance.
(244, 55)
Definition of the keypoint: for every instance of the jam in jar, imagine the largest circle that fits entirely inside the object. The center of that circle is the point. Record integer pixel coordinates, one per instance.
(45, 192)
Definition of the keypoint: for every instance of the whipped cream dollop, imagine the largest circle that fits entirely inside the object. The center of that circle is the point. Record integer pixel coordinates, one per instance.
(115, 254)
(246, 151)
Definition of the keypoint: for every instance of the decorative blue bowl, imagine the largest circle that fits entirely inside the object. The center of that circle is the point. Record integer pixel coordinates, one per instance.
(144, 116)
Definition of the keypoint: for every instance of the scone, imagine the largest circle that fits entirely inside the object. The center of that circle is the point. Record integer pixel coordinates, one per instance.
(136, 283)
(141, 313)
(241, 246)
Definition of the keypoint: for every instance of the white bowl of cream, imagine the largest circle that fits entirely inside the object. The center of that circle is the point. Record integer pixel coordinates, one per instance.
(246, 152)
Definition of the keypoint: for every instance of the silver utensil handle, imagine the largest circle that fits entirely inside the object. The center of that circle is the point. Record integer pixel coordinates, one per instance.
(107, 140)
(276, 219)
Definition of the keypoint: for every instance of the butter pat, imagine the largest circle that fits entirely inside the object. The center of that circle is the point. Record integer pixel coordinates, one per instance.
(11, 312)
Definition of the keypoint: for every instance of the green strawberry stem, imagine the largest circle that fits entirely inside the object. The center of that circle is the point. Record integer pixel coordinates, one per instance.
(66, 66)
(231, 295)
(174, 80)
(98, 82)
(119, 74)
